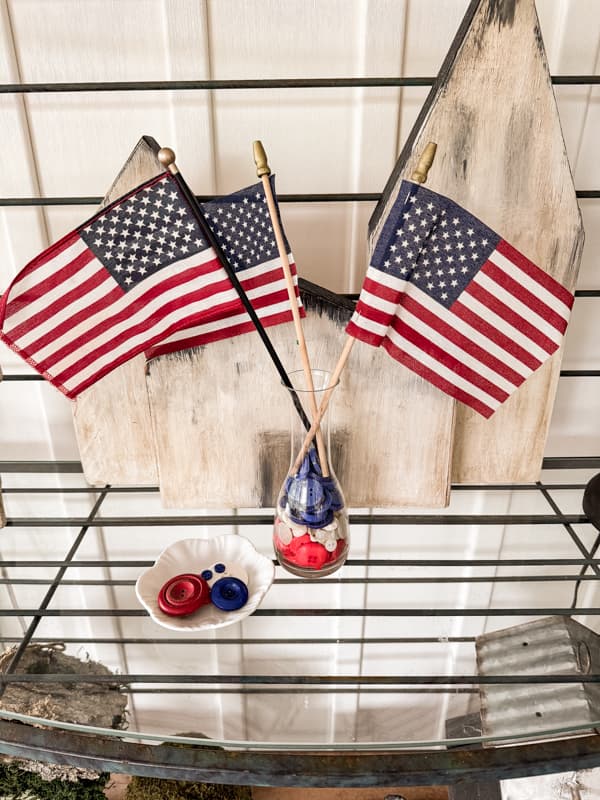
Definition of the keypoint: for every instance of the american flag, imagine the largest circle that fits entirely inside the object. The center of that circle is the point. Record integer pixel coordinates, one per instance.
(457, 304)
(242, 226)
(127, 279)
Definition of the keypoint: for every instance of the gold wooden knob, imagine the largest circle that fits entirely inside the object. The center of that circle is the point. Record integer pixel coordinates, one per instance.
(260, 159)
(166, 156)
(425, 162)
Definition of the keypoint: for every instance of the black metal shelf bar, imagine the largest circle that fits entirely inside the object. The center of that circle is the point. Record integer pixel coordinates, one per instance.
(267, 519)
(304, 690)
(351, 562)
(87, 489)
(250, 83)
(248, 640)
(330, 581)
(318, 612)
(564, 373)
(47, 599)
(29, 490)
(302, 680)
(67, 467)
(581, 373)
(568, 528)
(305, 197)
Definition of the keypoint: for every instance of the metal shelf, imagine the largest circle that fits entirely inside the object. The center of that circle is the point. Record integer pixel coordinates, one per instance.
(335, 766)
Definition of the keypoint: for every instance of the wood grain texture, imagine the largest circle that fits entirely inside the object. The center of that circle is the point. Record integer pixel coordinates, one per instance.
(501, 155)
(378, 793)
(112, 418)
(221, 421)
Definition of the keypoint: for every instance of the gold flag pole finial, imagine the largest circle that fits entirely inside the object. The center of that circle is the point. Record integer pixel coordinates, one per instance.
(425, 162)
(166, 156)
(260, 159)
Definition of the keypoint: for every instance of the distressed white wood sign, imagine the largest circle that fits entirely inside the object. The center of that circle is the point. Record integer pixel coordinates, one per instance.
(502, 156)
(112, 417)
(222, 418)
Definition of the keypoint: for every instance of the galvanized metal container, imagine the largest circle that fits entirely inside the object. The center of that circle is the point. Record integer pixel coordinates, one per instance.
(548, 646)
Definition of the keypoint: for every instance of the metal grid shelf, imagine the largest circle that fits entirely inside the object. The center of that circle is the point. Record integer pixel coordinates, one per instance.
(334, 766)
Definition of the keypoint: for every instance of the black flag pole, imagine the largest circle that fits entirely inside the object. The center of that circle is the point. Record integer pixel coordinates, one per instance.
(166, 156)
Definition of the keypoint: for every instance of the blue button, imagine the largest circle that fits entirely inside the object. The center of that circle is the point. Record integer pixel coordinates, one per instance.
(220, 568)
(206, 574)
(306, 493)
(304, 467)
(335, 498)
(320, 519)
(229, 594)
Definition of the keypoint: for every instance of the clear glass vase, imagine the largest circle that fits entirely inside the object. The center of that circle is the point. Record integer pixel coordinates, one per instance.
(311, 531)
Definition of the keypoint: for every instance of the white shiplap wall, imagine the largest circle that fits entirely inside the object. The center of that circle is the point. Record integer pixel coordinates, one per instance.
(318, 141)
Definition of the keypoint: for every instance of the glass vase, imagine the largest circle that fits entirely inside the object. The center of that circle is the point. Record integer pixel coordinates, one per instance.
(311, 531)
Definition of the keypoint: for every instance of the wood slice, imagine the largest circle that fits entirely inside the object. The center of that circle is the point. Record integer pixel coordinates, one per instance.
(222, 419)
(501, 155)
(112, 418)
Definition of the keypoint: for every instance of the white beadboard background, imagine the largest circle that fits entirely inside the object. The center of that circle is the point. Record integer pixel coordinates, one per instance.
(318, 140)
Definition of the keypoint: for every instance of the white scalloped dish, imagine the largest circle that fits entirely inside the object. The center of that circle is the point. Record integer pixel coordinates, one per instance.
(194, 555)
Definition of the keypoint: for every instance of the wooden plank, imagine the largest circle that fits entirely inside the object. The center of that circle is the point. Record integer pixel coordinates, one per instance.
(378, 793)
(493, 92)
(221, 419)
(112, 418)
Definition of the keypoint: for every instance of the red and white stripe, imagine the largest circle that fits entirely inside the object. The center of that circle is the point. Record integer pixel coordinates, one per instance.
(509, 320)
(67, 316)
(266, 289)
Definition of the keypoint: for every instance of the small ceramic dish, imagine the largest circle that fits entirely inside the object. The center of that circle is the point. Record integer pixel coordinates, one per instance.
(195, 555)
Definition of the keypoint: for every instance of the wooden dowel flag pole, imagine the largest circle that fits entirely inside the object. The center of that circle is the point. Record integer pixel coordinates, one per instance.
(166, 156)
(419, 176)
(263, 171)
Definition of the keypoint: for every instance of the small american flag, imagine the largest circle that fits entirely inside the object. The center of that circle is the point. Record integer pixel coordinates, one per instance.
(242, 225)
(127, 279)
(451, 300)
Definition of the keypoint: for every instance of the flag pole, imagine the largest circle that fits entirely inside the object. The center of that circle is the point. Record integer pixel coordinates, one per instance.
(419, 175)
(166, 156)
(263, 171)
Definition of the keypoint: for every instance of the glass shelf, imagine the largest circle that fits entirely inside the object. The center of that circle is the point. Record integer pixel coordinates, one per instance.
(378, 659)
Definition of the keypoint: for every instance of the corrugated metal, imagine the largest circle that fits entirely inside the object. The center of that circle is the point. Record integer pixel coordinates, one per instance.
(548, 646)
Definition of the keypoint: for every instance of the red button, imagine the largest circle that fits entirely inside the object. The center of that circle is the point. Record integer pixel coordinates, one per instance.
(297, 543)
(311, 554)
(183, 595)
(339, 550)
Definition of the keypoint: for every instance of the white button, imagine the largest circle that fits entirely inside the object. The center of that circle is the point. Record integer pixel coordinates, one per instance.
(232, 570)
